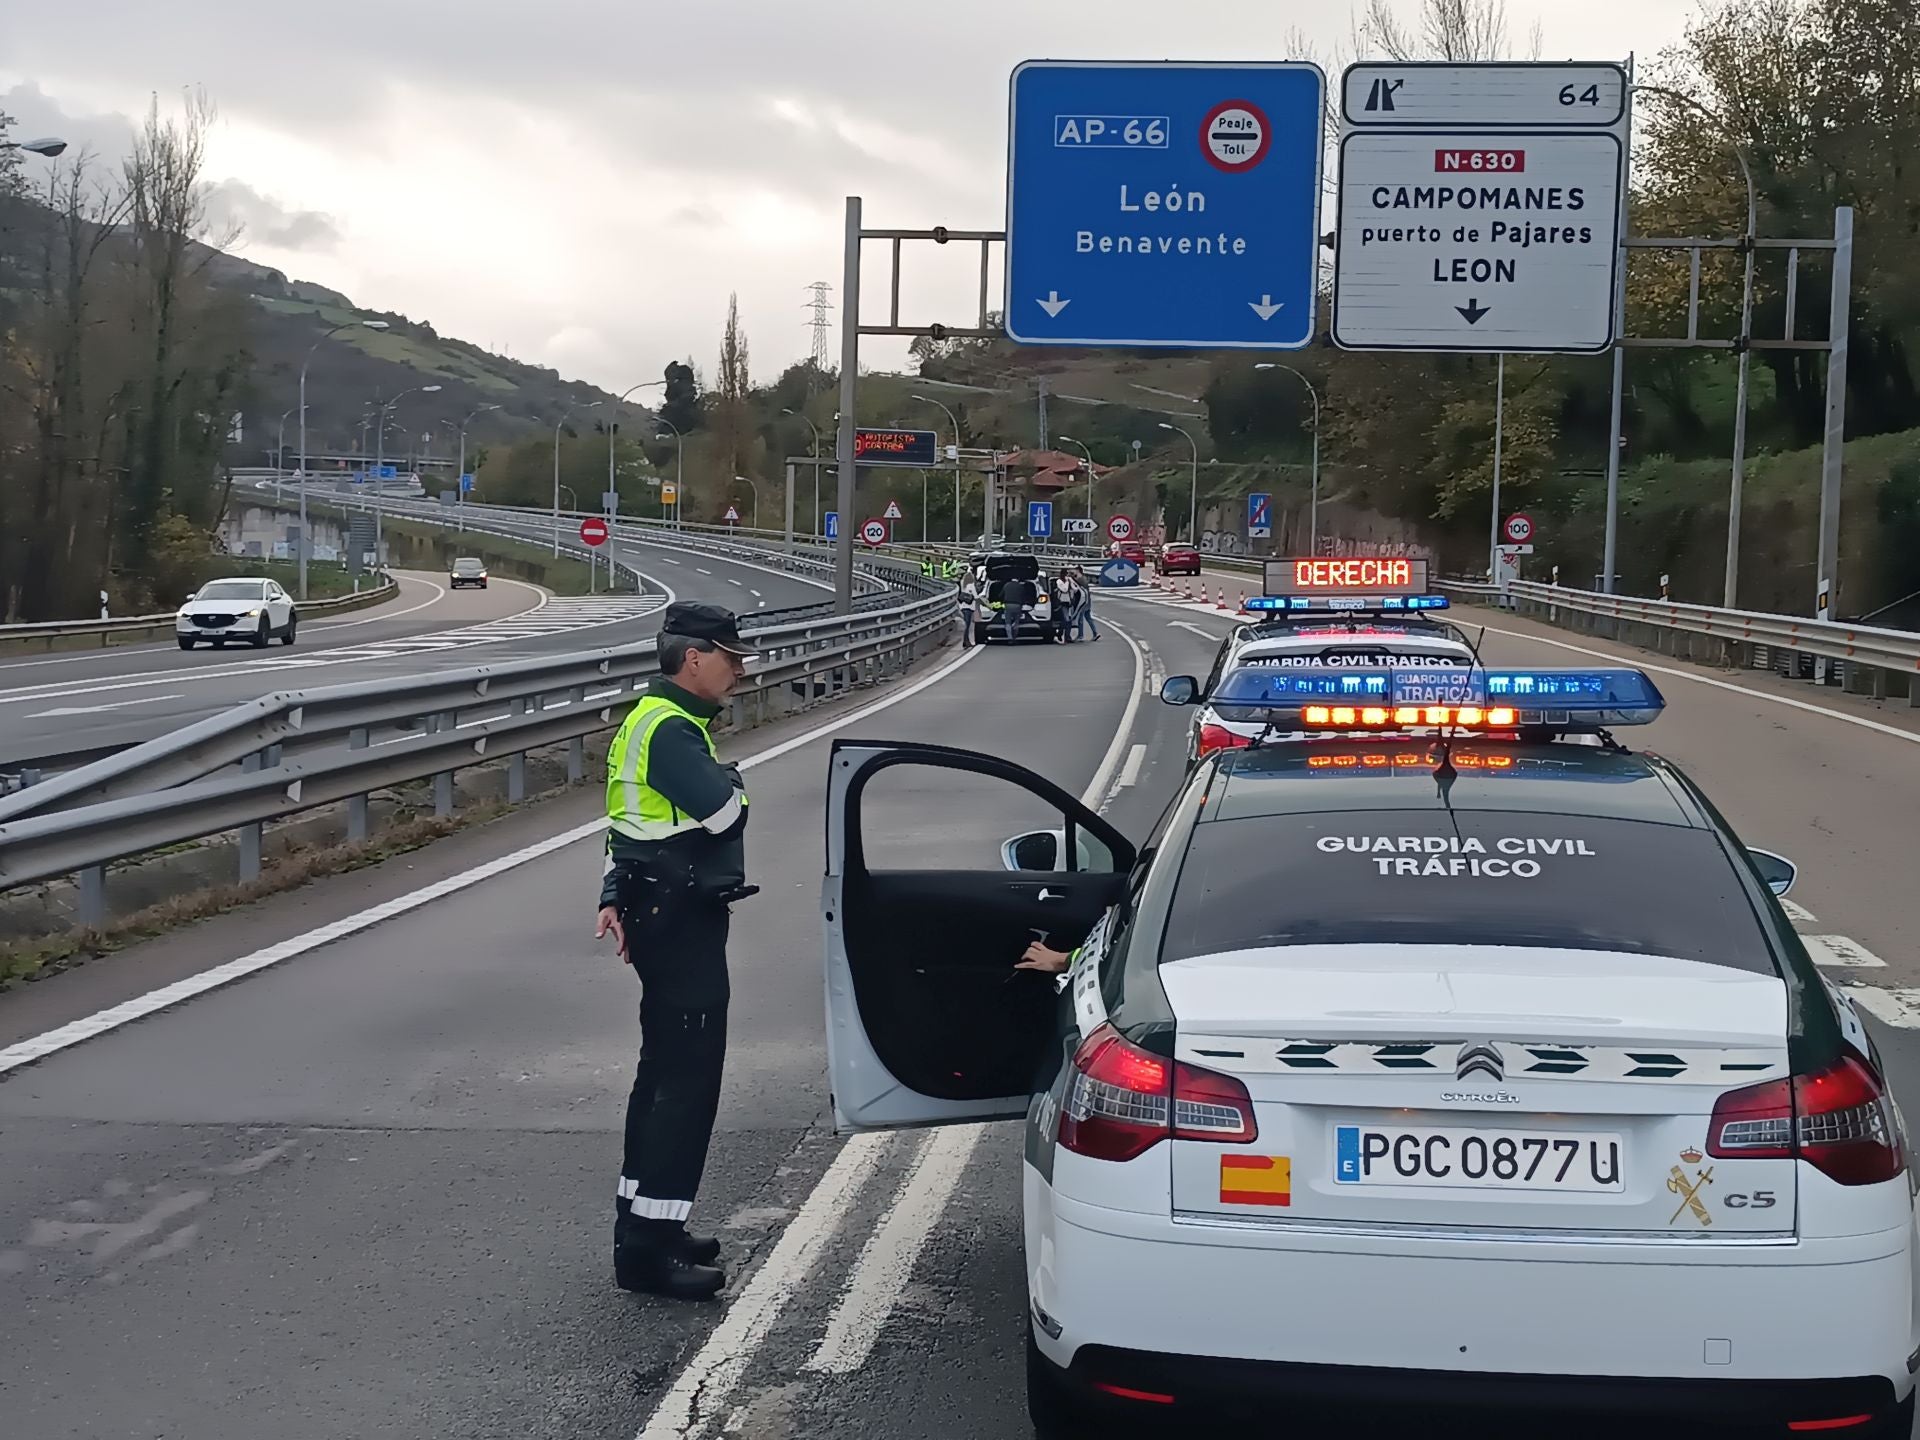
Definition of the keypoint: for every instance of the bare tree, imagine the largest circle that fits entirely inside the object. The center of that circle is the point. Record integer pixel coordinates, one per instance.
(1458, 30)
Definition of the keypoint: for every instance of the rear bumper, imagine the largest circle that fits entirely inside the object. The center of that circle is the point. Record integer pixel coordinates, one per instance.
(1655, 1329)
(1201, 1386)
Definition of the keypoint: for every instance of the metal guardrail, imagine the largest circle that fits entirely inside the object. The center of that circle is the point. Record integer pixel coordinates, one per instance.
(130, 624)
(294, 751)
(1758, 640)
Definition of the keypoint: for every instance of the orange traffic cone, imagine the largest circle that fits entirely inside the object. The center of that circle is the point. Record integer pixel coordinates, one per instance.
(1221, 591)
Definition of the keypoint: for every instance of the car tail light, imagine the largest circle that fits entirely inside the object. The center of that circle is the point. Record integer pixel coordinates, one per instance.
(1122, 1101)
(1839, 1120)
(1218, 737)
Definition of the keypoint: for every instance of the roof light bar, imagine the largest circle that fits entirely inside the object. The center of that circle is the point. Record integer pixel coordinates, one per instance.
(1345, 604)
(1446, 697)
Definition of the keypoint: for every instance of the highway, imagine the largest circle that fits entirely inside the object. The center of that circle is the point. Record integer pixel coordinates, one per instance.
(65, 703)
(365, 1190)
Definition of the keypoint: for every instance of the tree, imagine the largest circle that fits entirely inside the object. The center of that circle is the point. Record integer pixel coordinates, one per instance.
(13, 177)
(1445, 30)
(680, 402)
(732, 424)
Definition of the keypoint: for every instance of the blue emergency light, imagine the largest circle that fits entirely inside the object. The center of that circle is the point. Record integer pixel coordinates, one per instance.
(1445, 697)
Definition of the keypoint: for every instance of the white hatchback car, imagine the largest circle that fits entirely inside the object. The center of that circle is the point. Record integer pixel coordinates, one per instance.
(249, 611)
(1398, 1074)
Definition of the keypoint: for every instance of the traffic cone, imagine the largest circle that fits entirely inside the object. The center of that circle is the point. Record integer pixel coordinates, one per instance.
(1221, 591)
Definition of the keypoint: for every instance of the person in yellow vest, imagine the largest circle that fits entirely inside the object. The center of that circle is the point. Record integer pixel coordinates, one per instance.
(675, 862)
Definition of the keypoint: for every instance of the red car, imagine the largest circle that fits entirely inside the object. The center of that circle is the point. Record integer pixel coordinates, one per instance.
(1130, 550)
(1179, 560)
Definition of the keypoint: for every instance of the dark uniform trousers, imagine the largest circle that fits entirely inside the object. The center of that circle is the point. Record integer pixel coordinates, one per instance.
(679, 955)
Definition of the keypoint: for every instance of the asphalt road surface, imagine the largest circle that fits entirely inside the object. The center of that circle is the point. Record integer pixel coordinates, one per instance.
(60, 704)
(365, 1190)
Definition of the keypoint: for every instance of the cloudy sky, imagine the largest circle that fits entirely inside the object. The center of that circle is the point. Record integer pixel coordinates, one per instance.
(579, 183)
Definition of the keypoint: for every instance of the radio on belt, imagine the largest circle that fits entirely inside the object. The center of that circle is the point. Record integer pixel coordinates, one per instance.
(1376, 583)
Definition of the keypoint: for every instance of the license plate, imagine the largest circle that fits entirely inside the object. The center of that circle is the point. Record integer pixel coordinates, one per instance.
(1447, 1156)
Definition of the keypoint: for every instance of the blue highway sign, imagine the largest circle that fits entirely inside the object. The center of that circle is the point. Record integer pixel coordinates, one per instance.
(1039, 519)
(833, 524)
(1259, 516)
(1164, 204)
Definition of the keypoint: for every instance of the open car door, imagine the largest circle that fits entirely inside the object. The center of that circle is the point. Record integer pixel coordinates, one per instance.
(928, 1021)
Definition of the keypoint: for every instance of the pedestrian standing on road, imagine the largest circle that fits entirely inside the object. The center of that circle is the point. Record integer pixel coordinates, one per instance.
(1085, 616)
(969, 612)
(676, 860)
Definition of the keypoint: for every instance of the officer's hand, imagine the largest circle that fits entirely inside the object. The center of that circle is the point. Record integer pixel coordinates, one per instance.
(1045, 959)
(610, 924)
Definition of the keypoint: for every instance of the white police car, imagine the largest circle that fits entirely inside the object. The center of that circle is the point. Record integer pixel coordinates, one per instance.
(1398, 1074)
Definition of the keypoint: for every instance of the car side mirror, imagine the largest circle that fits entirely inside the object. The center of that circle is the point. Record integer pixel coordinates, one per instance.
(1037, 850)
(1180, 690)
(1776, 871)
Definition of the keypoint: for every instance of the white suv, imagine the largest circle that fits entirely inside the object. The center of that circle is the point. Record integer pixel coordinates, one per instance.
(253, 611)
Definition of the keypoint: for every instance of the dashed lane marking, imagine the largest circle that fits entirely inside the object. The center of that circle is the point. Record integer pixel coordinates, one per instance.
(1841, 953)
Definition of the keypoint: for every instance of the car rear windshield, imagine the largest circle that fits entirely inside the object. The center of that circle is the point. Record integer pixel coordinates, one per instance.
(230, 590)
(1401, 877)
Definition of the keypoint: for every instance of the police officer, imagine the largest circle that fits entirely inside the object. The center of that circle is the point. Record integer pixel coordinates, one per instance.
(676, 859)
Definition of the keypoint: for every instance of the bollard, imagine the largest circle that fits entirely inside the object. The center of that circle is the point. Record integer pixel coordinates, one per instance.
(358, 823)
(251, 835)
(93, 896)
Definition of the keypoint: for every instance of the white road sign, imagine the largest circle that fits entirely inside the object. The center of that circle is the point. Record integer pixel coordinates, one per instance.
(1478, 242)
(1526, 95)
(1082, 526)
(892, 512)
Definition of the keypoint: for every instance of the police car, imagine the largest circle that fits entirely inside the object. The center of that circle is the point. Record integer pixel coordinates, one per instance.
(1477, 1068)
(1372, 622)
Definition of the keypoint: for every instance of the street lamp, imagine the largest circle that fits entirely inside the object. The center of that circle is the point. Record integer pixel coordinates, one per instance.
(1313, 505)
(929, 400)
(1089, 454)
(280, 450)
(380, 456)
(460, 477)
(46, 145)
(1744, 343)
(590, 405)
(1193, 508)
(305, 544)
(679, 468)
(754, 486)
(612, 488)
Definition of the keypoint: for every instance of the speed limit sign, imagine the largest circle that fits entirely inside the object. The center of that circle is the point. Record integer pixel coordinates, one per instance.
(1120, 527)
(1519, 528)
(874, 532)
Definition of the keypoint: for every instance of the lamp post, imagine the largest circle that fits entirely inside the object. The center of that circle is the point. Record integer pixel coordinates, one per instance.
(1081, 447)
(1193, 505)
(380, 453)
(590, 405)
(815, 430)
(929, 400)
(460, 479)
(612, 487)
(679, 468)
(1313, 504)
(305, 543)
(280, 450)
(754, 486)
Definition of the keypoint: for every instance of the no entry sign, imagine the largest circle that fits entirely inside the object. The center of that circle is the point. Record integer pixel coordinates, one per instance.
(593, 530)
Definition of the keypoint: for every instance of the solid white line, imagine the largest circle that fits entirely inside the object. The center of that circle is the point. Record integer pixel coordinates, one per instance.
(1097, 792)
(1841, 953)
(439, 594)
(1195, 629)
(716, 1368)
(885, 1267)
(1130, 772)
(1912, 737)
(96, 709)
(39, 1046)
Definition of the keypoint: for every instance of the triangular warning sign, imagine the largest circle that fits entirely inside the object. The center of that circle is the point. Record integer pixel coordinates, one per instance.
(893, 511)
(733, 514)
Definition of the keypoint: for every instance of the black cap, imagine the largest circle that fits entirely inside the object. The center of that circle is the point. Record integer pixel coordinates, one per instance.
(714, 624)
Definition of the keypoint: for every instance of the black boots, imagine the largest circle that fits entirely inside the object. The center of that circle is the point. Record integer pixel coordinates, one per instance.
(661, 1258)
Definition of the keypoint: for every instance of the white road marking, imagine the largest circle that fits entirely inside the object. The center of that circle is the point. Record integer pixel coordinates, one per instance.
(753, 592)
(1130, 772)
(1895, 1007)
(715, 1370)
(1799, 914)
(732, 581)
(1110, 762)
(96, 709)
(52, 1041)
(885, 1266)
(1842, 953)
(1183, 625)
(670, 560)
(439, 594)
(1633, 662)
(703, 569)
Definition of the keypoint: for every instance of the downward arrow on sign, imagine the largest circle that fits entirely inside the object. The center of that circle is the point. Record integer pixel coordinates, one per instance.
(1053, 304)
(1473, 311)
(1265, 308)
